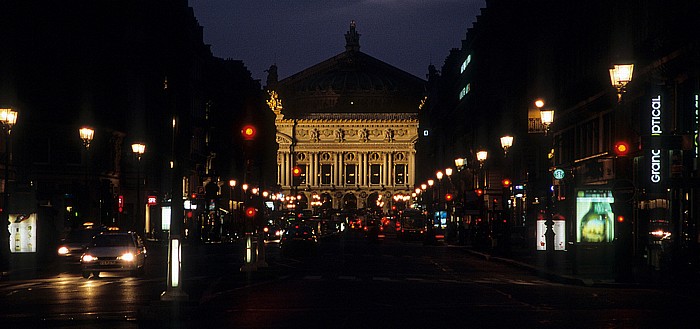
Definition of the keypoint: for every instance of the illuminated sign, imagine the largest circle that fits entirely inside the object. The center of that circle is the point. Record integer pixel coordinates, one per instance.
(152, 200)
(656, 130)
(697, 122)
(559, 228)
(559, 174)
(656, 116)
(120, 203)
(23, 232)
(165, 218)
(594, 216)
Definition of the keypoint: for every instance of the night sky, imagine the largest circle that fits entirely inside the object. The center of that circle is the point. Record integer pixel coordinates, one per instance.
(296, 34)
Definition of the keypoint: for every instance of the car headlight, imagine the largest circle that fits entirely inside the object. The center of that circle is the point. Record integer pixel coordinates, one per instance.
(129, 257)
(63, 251)
(88, 258)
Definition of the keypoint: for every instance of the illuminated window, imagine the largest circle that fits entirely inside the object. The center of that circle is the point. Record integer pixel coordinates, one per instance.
(400, 174)
(350, 174)
(375, 174)
(465, 63)
(465, 90)
(326, 171)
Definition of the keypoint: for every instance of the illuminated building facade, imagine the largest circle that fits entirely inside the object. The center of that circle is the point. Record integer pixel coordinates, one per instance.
(349, 126)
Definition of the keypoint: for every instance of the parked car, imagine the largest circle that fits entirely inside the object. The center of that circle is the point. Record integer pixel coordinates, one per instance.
(73, 245)
(299, 239)
(114, 252)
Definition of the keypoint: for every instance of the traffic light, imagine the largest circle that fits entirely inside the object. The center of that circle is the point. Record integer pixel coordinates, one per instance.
(250, 212)
(448, 197)
(297, 172)
(621, 148)
(506, 182)
(479, 192)
(248, 132)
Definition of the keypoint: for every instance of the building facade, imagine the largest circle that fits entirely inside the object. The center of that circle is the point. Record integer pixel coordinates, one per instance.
(346, 130)
(645, 198)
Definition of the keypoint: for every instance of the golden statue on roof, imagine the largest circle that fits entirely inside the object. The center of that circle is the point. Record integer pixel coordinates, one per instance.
(275, 103)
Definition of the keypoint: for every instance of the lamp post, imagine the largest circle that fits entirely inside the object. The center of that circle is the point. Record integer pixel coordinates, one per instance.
(138, 149)
(506, 143)
(481, 156)
(547, 117)
(8, 118)
(86, 135)
(620, 76)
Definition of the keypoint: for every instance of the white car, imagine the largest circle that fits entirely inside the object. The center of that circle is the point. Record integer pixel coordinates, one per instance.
(114, 252)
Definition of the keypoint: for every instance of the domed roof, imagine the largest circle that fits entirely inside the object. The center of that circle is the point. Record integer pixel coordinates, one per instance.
(350, 82)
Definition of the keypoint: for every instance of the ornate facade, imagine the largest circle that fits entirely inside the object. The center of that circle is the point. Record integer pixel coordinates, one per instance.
(349, 125)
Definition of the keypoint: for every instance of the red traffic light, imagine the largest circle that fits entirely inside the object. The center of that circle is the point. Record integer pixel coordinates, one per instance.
(448, 197)
(250, 212)
(506, 182)
(248, 132)
(479, 192)
(296, 171)
(621, 148)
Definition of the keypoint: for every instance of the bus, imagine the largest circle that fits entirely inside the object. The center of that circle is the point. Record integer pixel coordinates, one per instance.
(411, 224)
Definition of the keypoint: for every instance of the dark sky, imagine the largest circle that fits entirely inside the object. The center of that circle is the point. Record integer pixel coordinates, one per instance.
(296, 34)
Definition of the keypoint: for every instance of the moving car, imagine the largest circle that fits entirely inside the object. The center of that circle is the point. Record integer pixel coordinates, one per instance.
(298, 238)
(73, 245)
(114, 252)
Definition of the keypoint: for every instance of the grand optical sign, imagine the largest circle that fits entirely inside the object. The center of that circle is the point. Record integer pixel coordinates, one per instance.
(656, 130)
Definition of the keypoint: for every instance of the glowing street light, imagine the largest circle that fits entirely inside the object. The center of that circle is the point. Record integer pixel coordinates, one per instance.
(620, 76)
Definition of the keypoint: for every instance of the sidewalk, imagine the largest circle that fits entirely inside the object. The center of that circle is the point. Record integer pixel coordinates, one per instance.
(564, 270)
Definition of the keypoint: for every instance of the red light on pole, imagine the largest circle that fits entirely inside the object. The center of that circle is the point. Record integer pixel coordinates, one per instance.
(621, 148)
(296, 171)
(250, 212)
(479, 192)
(248, 132)
(506, 182)
(448, 197)
(620, 219)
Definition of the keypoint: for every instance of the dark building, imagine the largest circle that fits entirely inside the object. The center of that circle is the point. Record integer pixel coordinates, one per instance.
(518, 52)
(126, 69)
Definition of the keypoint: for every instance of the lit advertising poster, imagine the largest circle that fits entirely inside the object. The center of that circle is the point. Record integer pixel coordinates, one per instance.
(165, 218)
(594, 216)
(22, 233)
(559, 229)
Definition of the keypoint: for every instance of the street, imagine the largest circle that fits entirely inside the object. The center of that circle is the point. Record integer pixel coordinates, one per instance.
(349, 282)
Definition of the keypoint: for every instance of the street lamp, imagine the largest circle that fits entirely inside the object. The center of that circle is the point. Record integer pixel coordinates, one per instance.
(8, 117)
(547, 116)
(86, 135)
(459, 163)
(620, 76)
(481, 157)
(506, 143)
(138, 149)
